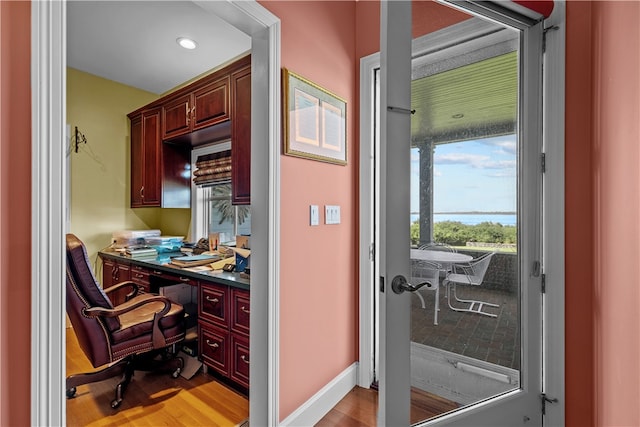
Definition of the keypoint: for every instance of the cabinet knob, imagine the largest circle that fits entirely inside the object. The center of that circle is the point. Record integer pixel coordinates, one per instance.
(212, 344)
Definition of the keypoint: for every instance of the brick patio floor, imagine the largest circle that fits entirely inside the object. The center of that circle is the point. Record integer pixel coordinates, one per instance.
(492, 339)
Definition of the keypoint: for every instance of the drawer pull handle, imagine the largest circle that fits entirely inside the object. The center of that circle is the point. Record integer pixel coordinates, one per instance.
(184, 279)
(213, 344)
(156, 272)
(213, 300)
(245, 359)
(243, 308)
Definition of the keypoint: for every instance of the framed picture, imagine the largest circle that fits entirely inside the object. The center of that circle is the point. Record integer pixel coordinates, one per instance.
(315, 121)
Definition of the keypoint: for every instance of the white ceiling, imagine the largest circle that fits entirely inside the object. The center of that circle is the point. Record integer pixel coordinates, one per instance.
(134, 42)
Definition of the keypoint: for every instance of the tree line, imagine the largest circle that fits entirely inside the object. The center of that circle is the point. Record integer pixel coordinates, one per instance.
(455, 233)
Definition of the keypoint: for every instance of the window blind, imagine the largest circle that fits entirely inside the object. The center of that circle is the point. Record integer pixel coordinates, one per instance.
(213, 168)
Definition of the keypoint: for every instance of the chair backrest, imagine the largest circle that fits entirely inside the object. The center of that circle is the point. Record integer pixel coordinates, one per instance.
(435, 246)
(425, 271)
(477, 268)
(83, 292)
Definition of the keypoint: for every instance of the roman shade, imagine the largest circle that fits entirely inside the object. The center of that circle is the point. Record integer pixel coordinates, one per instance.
(213, 168)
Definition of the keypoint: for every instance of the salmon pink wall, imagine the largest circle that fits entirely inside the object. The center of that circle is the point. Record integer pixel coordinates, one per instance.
(318, 274)
(616, 140)
(15, 213)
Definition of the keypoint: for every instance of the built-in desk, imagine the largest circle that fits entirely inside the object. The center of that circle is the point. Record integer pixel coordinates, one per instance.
(222, 308)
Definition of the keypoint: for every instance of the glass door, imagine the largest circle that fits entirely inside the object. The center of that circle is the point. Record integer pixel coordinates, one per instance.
(460, 216)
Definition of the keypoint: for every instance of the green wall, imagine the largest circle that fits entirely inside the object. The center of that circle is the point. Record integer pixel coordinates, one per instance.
(100, 170)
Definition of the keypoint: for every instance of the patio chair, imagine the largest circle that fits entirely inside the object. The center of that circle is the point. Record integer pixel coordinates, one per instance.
(427, 272)
(436, 246)
(469, 274)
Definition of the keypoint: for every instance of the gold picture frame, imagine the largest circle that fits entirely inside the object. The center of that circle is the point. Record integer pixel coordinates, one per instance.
(315, 121)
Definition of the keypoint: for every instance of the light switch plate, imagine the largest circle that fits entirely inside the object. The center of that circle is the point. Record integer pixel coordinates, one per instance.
(314, 215)
(332, 214)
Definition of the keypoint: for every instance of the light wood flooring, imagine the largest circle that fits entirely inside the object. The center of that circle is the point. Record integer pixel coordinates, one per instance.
(159, 400)
(152, 399)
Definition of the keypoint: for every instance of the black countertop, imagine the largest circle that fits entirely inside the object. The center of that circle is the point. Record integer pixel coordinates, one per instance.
(161, 263)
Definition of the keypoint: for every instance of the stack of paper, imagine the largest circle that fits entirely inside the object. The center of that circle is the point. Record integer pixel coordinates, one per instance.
(144, 254)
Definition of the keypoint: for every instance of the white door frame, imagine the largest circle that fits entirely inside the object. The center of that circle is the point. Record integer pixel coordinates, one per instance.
(553, 216)
(48, 82)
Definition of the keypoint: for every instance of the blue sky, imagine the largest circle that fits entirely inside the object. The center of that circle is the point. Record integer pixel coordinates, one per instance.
(477, 175)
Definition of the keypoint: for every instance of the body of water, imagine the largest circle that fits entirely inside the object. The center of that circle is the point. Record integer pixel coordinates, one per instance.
(472, 218)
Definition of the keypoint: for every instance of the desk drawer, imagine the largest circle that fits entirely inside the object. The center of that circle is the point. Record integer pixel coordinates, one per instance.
(240, 359)
(212, 343)
(212, 304)
(140, 276)
(240, 311)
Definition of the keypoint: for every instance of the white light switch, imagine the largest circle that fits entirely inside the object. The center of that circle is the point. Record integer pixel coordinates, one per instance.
(314, 215)
(332, 214)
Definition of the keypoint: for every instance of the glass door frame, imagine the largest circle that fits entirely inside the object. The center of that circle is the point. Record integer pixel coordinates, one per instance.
(553, 215)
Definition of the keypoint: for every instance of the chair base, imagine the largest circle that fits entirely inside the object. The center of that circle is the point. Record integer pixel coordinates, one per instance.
(125, 367)
(475, 306)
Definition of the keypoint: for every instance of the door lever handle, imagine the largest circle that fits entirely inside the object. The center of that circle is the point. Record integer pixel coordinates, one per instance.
(400, 285)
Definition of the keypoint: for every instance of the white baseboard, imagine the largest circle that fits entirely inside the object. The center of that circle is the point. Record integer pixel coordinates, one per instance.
(312, 411)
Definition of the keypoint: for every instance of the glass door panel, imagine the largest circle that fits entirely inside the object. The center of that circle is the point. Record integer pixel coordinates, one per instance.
(458, 171)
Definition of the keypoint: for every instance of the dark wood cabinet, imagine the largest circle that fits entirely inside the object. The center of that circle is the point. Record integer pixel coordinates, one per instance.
(213, 109)
(202, 107)
(223, 313)
(223, 325)
(159, 172)
(241, 136)
(114, 272)
(145, 159)
(176, 117)
(211, 104)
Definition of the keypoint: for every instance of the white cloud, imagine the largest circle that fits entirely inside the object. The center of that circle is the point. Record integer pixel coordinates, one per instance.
(505, 146)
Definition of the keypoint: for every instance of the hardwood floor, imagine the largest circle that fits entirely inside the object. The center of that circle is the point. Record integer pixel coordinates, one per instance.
(159, 400)
(359, 407)
(152, 399)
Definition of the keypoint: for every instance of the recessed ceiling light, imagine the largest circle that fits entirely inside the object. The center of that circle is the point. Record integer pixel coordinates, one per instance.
(458, 116)
(186, 43)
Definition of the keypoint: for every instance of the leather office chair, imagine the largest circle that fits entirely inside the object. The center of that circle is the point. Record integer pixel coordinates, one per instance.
(135, 335)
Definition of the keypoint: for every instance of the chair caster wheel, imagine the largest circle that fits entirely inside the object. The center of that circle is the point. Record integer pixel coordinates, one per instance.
(115, 403)
(176, 373)
(71, 393)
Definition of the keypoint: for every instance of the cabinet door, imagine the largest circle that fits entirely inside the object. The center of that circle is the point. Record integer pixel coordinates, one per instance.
(240, 359)
(108, 273)
(240, 311)
(120, 273)
(211, 104)
(241, 137)
(176, 117)
(137, 159)
(151, 155)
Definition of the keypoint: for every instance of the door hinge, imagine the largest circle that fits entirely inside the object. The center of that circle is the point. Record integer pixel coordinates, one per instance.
(382, 284)
(543, 162)
(544, 36)
(543, 283)
(544, 400)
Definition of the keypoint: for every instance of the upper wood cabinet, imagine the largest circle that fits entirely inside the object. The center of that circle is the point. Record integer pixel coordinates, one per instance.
(145, 159)
(201, 108)
(241, 137)
(214, 108)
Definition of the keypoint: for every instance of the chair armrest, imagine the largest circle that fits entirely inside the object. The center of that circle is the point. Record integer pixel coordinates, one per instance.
(156, 334)
(135, 289)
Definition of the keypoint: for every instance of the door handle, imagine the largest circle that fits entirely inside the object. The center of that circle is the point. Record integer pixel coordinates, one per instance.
(400, 284)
